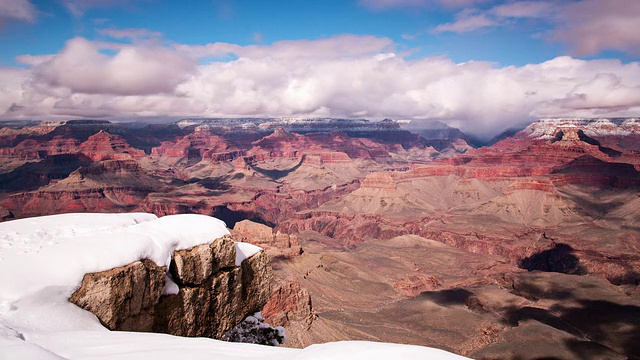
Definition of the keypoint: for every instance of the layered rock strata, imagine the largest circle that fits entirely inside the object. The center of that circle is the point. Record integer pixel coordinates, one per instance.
(213, 295)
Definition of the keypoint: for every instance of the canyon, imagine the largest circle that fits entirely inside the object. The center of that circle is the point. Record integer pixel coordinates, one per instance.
(526, 248)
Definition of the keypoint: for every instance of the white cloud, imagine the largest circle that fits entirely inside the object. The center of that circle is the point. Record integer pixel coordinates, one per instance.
(11, 82)
(472, 19)
(17, 10)
(301, 78)
(378, 5)
(591, 26)
(133, 70)
(344, 46)
(604, 93)
(587, 27)
(133, 34)
(467, 21)
(524, 9)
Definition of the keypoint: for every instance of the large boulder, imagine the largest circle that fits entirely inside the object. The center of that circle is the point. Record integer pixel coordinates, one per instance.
(192, 267)
(213, 294)
(219, 303)
(119, 295)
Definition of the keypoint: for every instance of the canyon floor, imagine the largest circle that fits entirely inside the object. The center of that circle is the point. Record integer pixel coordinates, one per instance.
(525, 249)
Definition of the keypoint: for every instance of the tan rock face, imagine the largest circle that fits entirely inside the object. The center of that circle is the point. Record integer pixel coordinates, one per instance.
(213, 297)
(194, 266)
(275, 244)
(119, 294)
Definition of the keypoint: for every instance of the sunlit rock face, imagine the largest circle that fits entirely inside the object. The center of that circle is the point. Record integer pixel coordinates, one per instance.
(210, 297)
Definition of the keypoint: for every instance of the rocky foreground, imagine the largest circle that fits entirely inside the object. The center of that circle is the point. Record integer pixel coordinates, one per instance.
(524, 249)
(180, 274)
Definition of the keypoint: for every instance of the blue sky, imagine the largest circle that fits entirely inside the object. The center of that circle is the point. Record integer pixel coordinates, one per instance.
(413, 59)
(245, 22)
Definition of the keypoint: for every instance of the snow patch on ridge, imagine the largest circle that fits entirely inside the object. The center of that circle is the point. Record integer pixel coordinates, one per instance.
(546, 128)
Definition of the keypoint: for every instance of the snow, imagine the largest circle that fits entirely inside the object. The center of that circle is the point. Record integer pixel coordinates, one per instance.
(546, 128)
(170, 286)
(31, 234)
(72, 252)
(43, 260)
(245, 251)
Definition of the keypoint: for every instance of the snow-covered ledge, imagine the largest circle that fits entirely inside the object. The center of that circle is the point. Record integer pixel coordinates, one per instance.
(179, 274)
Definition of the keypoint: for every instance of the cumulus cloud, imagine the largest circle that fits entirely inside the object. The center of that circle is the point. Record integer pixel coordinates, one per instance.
(344, 46)
(17, 10)
(603, 93)
(81, 67)
(11, 82)
(370, 80)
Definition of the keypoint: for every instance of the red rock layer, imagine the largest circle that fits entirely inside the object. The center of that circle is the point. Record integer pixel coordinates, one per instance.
(106, 186)
(199, 144)
(381, 180)
(289, 303)
(34, 149)
(105, 146)
(330, 147)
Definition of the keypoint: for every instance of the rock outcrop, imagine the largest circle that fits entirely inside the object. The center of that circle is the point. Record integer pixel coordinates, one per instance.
(120, 296)
(275, 244)
(290, 306)
(335, 147)
(105, 146)
(212, 295)
(289, 303)
(5, 214)
(200, 144)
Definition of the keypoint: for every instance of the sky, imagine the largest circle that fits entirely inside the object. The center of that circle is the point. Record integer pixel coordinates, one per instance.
(480, 65)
